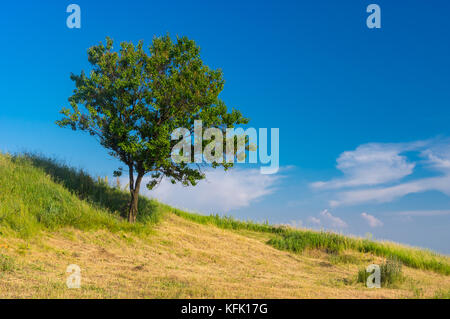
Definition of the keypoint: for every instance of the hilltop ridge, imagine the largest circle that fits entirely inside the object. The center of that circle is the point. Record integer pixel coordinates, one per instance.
(52, 216)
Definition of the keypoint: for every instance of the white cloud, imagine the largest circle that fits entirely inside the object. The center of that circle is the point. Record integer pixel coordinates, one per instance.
(370, 167)
(371, 164)
(221, 192)
(333, 221)
(388, 194)
(326, 219)
(372, 220)
(438, 156)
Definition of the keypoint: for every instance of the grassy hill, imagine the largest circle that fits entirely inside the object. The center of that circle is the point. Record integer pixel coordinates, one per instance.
(52, 216)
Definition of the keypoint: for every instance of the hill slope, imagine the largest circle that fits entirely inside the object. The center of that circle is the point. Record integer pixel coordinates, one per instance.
(52, 216)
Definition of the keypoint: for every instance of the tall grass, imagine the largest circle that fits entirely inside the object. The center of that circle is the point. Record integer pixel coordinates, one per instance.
(297, 241)
(96, 191)
(390, 273)
(227, 222)
(6, 263)
(37, 193)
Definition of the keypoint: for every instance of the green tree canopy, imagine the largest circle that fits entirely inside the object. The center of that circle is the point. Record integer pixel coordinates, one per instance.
(132, 101)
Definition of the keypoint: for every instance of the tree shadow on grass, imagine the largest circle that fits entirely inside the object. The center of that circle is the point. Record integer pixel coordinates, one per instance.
(97, 192)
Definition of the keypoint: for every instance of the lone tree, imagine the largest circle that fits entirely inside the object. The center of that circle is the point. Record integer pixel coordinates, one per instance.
(132, 101)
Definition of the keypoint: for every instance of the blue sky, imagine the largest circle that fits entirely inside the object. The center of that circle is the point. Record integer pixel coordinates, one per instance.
(364, 111)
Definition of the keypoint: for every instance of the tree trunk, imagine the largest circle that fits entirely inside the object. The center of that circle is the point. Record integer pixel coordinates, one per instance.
(133, 207)
(134, 192)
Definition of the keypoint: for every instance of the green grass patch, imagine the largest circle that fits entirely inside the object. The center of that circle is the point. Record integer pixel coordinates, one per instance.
(226, 222)
(6, 263)
(442, 294)
(98, 192)
(391, 273)
(343, 259)
(38, 193)
(297, 241)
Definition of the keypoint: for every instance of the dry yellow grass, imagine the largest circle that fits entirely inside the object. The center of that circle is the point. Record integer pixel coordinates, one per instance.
(183, 259)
